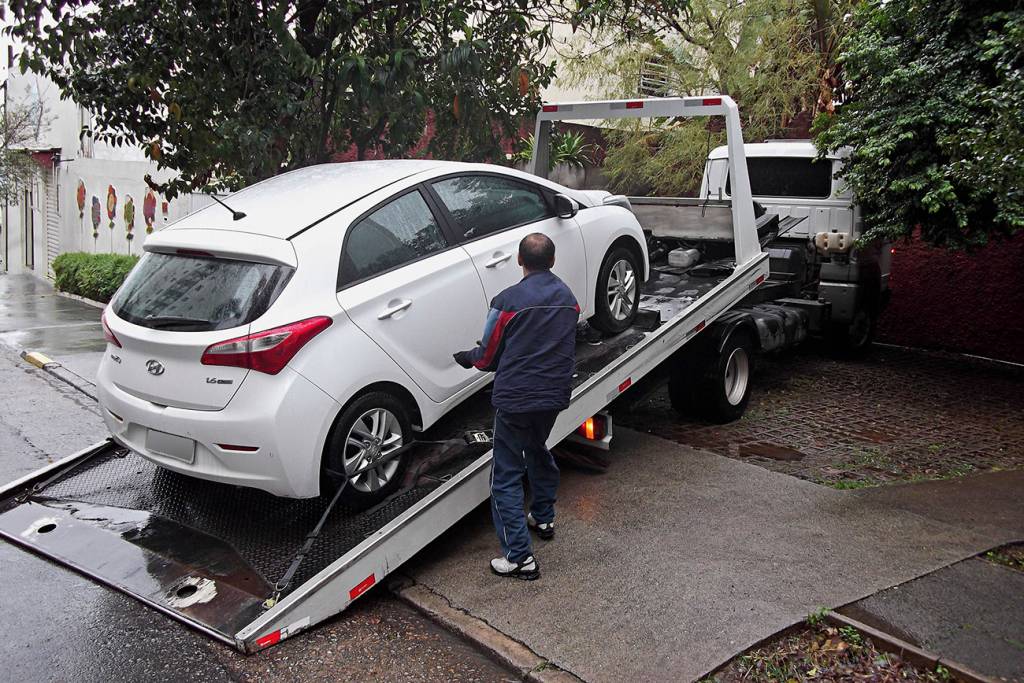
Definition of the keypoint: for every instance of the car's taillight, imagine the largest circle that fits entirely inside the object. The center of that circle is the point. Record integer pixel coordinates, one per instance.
(267, 351)
(107, 334)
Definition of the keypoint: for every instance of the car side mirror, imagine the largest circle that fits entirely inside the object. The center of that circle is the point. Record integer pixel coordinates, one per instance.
(566, 206)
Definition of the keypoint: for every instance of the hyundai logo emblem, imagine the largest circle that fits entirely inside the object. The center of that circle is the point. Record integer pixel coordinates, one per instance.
(155, 367)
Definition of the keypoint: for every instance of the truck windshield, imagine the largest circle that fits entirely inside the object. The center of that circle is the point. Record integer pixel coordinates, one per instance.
(197, 293)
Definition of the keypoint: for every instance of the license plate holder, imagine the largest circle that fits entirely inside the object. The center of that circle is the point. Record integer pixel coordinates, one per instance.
(171, 445)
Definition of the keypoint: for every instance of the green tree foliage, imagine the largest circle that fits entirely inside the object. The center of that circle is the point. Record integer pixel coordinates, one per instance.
(774, 57)
(935, 118)
(234, 91)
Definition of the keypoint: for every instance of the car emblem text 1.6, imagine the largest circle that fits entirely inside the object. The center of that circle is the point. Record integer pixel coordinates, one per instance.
(155, 367)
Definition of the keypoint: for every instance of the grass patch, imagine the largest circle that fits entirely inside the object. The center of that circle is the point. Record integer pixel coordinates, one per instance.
(1011, 556)
(849, 484)
(823, 653)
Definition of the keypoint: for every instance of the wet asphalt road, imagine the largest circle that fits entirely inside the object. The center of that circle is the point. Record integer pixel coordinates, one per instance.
(59, 626)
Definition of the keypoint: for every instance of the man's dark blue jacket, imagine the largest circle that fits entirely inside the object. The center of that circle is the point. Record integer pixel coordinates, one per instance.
(530, 343)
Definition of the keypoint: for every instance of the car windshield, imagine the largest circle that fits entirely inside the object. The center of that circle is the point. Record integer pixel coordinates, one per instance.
(190, 293)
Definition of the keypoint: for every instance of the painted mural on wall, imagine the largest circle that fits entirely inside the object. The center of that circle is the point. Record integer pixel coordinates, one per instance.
(149, 210)
(80, 196)
(129, 219)
(96, 217)
(111, 204)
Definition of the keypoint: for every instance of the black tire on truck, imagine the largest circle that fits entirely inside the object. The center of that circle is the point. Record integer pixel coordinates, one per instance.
(854, 340)
(369, 428)
(711, 382)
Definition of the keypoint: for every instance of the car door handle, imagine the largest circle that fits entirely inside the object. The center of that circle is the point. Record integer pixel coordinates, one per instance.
(498, 260)
(395, 308)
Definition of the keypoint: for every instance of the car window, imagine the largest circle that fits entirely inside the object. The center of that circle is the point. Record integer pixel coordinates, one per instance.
(798, 177)
(189, 293)
(399, 232)
(482, 204)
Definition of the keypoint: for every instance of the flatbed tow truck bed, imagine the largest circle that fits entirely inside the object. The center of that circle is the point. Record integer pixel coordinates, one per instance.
(229, 561)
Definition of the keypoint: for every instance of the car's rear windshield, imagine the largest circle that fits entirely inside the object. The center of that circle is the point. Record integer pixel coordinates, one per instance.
(198, 293)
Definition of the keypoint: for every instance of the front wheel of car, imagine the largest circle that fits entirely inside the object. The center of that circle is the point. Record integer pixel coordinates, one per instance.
(618, 291)
(360, 449)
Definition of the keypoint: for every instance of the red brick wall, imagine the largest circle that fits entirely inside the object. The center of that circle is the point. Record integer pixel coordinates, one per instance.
(973, 303)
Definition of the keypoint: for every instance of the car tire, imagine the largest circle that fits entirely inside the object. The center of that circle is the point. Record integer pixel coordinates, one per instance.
(380, 421)
(617, 297)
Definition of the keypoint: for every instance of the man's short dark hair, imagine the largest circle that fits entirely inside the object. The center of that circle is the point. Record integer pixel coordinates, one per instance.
(537, 252)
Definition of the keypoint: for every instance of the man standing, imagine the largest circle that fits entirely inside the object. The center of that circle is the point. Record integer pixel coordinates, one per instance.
(530, 343)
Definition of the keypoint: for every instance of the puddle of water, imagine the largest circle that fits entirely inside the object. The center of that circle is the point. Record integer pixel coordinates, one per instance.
(770, 450)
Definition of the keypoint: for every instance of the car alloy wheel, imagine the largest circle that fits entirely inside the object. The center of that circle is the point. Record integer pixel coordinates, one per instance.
(374, 435)
(621, 289)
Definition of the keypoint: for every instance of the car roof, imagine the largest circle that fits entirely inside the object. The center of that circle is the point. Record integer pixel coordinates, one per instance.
(776, 148)
(286, 204)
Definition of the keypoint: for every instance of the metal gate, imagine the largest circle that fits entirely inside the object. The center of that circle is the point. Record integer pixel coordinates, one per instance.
(52, 185)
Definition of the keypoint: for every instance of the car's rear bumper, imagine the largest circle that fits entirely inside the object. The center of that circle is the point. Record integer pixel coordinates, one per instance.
(285, 417)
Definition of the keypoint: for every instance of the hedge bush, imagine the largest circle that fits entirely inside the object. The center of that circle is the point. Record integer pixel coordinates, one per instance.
(94, 276)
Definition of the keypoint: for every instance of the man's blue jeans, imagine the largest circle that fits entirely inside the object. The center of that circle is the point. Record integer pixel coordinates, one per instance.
(520, 447)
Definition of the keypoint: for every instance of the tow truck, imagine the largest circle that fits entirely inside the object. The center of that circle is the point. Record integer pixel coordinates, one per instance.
(251, 570)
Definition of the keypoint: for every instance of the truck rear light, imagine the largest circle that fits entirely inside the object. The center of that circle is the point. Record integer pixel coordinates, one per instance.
(267, 351)
(107, 334)
(594, 429)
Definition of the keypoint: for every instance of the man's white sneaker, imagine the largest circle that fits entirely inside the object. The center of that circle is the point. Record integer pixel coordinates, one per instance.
(528, 569)
(545, 530)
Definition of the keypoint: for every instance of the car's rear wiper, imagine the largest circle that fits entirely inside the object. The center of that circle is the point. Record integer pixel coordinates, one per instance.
(158, 321)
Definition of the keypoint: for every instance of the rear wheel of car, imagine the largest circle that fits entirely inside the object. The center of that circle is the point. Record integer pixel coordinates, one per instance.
(618, 291)
(370, 429)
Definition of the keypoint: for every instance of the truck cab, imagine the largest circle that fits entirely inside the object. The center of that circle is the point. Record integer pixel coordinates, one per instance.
(817, 259)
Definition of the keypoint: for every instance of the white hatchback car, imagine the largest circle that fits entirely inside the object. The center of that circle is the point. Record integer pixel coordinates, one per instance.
(315, 333)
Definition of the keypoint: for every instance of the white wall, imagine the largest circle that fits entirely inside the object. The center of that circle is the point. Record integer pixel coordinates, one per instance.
(98, 166)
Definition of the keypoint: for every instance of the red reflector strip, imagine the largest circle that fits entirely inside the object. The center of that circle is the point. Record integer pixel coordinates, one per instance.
(362, 587)
(699, 327)
(269, 639)
(759, 280)
(232, 447)
(549, 107)
(625, 385)
(634, 105)
(711, 101)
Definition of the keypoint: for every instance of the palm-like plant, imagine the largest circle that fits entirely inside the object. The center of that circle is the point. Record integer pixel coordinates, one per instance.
(567, 148)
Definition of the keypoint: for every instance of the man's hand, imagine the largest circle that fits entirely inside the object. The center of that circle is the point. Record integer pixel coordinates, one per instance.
(462, 358)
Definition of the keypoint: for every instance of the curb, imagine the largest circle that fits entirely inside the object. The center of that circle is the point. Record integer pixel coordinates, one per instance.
(505, 650)
(75, 297)
(55, 369)
(911, 653)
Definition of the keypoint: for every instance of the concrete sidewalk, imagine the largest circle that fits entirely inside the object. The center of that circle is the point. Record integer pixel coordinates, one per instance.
(678, 559)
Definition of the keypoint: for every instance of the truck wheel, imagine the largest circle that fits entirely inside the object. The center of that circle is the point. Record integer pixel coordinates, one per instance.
(370, 428)
(618, 291)
(723, 388)
(855, 339)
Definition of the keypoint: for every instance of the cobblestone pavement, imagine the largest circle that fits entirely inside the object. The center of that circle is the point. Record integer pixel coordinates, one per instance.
(897, 415)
